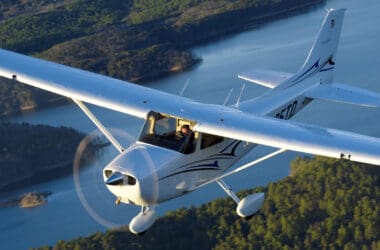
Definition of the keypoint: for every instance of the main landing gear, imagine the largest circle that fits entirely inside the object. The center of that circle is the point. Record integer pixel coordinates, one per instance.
(247, 206)
(251, 203)
(143, 221)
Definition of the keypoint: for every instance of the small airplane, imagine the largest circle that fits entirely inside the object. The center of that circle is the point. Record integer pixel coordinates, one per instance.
(185, 145)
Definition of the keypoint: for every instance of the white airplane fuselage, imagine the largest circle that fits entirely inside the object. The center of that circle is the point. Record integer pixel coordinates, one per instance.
(157, 174)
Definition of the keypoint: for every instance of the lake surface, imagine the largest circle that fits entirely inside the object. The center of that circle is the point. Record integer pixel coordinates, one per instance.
(279, 45)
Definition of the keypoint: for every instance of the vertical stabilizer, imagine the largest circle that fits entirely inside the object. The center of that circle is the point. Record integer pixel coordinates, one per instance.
(321, 58)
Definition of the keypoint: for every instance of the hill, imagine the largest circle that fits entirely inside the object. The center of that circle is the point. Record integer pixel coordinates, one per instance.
(324, 204)
(135, 40)
(31, 154)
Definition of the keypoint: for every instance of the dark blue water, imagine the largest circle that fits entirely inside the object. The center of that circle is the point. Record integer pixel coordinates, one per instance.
(280, 45)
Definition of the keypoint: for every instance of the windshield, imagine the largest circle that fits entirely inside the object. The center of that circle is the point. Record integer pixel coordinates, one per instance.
(168, 132)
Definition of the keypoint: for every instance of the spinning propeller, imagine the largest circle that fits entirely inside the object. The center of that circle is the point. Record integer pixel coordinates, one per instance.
(91, 187)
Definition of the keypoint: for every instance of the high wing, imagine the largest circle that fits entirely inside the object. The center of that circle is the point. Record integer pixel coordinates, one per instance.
(214, 119)
(337, 92)
(85, 86)
(265, 77)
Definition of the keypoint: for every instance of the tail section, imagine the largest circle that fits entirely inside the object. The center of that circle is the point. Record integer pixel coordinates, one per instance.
(321, 58)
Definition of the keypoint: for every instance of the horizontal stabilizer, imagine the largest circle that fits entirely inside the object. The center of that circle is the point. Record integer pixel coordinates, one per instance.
(346, 94)
(264, 77)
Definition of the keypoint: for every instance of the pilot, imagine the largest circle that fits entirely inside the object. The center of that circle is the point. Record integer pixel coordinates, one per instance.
(186, 135)
(184, 132)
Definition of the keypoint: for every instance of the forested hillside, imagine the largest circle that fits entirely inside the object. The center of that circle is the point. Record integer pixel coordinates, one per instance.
(12, 8)
(34, 153)
(133, 40)
(324, 204)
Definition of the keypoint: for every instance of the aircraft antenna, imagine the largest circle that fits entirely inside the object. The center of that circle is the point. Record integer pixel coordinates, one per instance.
(184, 87)
(228, 97)
(226, 100)
(241, 93)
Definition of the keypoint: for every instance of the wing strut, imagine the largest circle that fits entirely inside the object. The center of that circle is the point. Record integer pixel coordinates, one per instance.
(99, 125)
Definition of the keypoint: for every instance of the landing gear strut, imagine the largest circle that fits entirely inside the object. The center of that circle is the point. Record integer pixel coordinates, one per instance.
(247, 206)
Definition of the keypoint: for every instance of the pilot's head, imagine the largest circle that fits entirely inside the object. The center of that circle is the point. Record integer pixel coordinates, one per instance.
(185, 129)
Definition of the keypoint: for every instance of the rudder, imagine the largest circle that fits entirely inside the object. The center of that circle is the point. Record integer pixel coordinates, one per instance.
(321, 57)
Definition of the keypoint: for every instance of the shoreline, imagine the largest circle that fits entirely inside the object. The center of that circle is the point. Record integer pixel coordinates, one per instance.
(50, 156)
(249, 21)
(51, 172)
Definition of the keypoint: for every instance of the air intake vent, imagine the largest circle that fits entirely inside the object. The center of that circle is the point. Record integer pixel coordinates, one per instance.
(131, 180)
(108, 173)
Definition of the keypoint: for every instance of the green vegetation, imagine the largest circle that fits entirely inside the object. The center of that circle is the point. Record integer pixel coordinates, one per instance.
(13, 8)
(324, 204)
(34, 153)
(148, 10)
(38, 32)
(135, 40)
(16, 97)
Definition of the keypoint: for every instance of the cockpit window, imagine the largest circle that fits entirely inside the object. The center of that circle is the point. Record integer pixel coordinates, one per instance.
(168, 132)
(210, 140)
(164, 125)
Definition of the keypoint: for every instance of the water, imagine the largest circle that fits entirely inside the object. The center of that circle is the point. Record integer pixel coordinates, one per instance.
(280, 45)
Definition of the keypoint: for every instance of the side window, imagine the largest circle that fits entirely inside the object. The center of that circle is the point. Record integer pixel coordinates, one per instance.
(165, 125)
(209, 140)
(169, 132)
